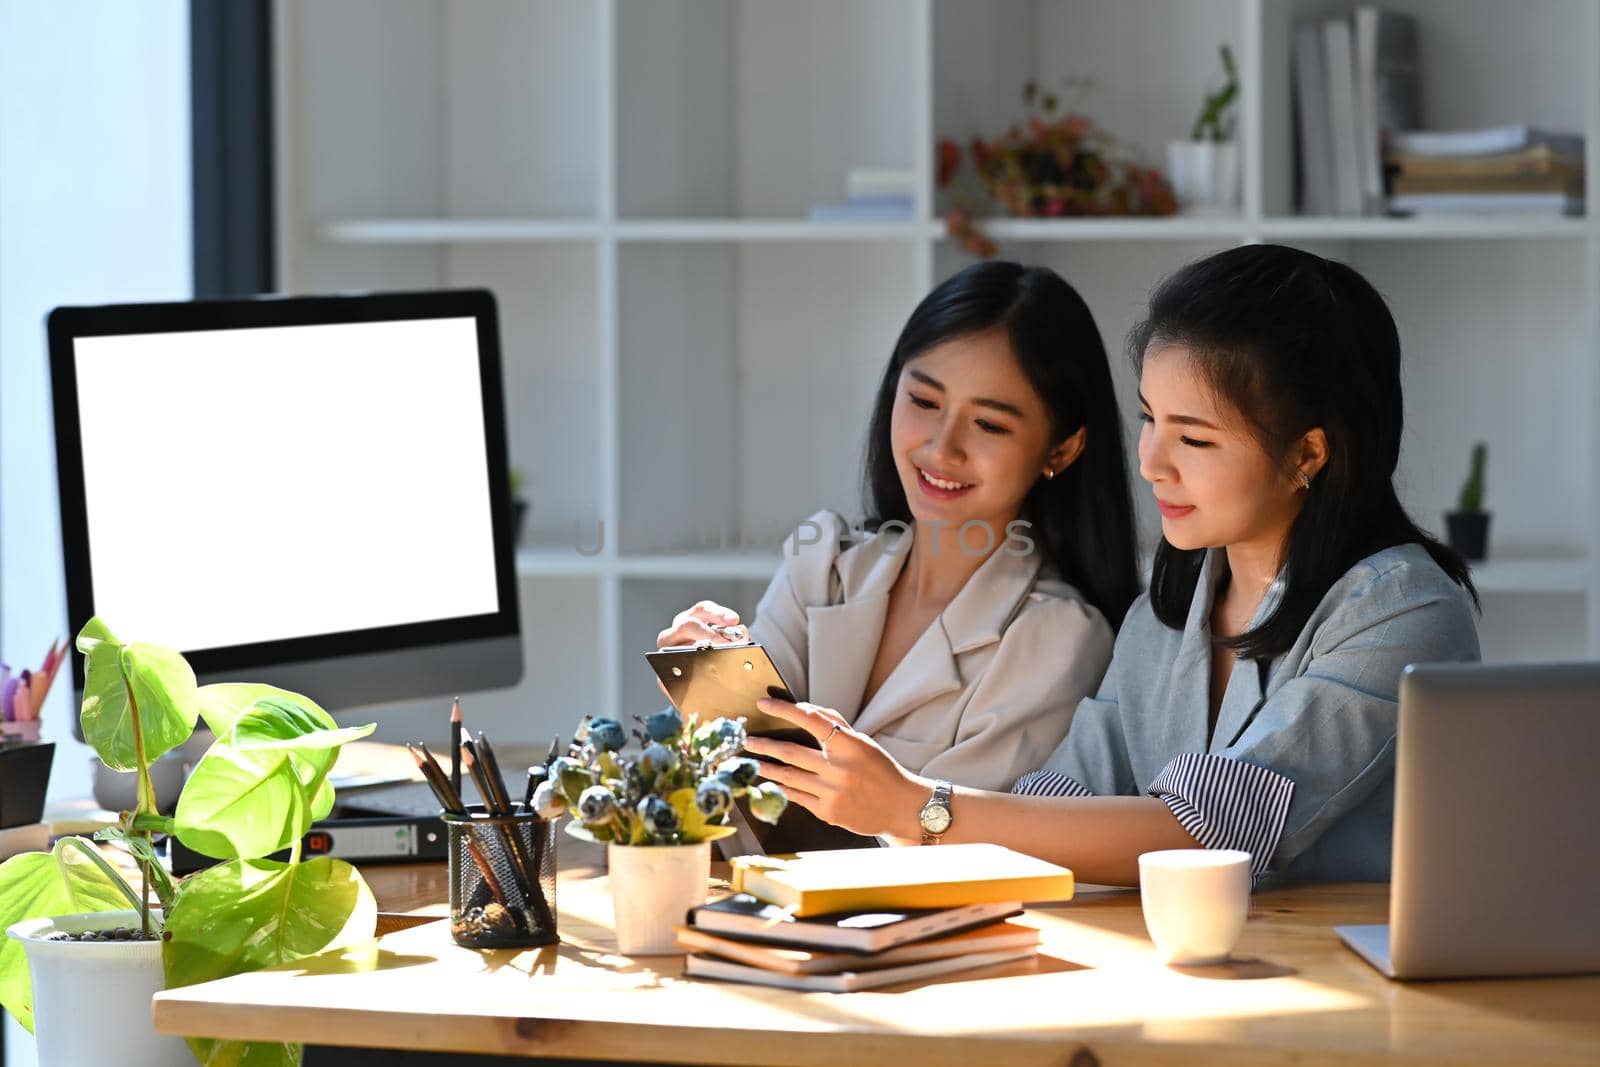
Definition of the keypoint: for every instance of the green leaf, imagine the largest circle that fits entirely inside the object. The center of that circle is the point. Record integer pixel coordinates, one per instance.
(38, 885)
(260, 786)
(159, 680)
(239, 805)
(222, 704)
(248, 914)
(692, 825)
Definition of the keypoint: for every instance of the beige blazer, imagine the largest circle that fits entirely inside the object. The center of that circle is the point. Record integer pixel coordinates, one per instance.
(983, 696)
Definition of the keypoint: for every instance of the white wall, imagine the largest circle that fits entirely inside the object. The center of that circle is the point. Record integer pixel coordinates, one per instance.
(94, 208)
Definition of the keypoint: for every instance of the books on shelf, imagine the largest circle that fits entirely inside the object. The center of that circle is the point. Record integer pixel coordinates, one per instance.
(1541, 205)
(1356, 79)
(1491, 140)
(1535, 160)
(1568, 184)
(1530, 173)
(748, 918)
(865, 209)
(1361, 151)
(872, 195)
(865, 879)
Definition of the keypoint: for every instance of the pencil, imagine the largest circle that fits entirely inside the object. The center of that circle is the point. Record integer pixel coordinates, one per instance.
(448, 798)
(491, 769)
(455, 746)
(485, 868)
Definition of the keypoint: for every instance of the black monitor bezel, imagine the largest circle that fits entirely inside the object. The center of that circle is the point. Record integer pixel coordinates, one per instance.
(65, 324)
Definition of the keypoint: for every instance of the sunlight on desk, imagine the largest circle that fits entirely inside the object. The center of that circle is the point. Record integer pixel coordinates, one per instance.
(1291, 992)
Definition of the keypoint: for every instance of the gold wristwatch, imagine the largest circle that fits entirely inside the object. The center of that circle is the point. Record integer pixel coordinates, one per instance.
(935, 815)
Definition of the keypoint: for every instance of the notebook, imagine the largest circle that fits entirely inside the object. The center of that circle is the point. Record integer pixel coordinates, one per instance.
(696, 966)
(866, 879)
(991, 937)
(744, 916)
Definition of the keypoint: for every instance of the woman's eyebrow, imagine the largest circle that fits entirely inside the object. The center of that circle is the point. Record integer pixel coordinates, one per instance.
(982, 401)
(1182, 420)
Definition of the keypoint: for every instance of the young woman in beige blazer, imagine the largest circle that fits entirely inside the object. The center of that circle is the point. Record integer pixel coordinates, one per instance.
(999, 552)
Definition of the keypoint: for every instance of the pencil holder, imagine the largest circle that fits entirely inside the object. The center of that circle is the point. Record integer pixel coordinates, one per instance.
(502, 879)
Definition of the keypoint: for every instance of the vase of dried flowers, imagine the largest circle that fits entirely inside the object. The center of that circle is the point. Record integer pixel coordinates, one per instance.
(1053, 164)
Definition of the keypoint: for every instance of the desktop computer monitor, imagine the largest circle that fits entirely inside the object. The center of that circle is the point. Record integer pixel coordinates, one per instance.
(308, 492)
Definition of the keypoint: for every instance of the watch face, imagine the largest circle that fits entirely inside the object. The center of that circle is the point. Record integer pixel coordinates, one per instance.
(935, 818)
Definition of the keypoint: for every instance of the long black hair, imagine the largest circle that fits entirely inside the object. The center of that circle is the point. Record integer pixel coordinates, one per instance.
(1082, 520)
(1291, 342)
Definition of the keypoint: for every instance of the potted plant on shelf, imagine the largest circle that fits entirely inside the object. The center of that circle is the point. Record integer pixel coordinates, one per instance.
(657, 813)
(1468, 526)
(96, 947)
(1204, 170)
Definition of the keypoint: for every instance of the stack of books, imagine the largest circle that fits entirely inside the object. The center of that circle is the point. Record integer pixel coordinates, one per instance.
(856, 919)
(1503, 170)
(872, 196)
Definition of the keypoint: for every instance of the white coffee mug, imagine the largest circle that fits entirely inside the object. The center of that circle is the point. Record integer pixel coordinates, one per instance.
(1195, 902)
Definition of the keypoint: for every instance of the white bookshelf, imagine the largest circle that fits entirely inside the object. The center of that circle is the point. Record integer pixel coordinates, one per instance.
(687, 355)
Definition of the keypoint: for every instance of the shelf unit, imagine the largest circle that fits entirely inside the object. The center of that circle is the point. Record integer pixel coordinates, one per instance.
(688, 356)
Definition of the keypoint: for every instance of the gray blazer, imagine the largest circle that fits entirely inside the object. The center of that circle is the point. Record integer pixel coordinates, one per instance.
(986, 691)
(1300, 770)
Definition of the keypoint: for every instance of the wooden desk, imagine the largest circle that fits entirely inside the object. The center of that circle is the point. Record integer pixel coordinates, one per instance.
(1097, 997)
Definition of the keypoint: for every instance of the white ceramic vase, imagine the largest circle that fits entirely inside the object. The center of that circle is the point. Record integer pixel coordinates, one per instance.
(1204, 176)
(91, 999)
(652, 890)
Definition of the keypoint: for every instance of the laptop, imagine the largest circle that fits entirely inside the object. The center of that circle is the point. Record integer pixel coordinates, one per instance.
(1496, 867)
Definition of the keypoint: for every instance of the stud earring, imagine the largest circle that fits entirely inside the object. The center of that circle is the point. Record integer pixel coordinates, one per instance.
(1049, 474)
(1305, 480)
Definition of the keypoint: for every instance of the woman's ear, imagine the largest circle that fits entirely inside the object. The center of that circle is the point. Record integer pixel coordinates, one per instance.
(1067, 452)
(1311, 455)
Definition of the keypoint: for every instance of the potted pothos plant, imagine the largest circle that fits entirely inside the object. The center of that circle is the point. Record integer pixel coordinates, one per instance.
(657, 811)
(97, 946)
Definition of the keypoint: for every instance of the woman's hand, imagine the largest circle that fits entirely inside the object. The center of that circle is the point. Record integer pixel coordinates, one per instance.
(851, 782)
(707, 623)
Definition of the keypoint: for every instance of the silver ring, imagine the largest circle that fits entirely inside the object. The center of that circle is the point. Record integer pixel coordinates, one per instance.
(831, 732)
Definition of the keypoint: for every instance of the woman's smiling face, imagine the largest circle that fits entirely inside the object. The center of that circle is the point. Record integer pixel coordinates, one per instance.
(1214, 482)
(971, 435)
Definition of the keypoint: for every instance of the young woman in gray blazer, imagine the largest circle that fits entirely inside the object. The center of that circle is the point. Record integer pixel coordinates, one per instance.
(1251, 699)
(999, 552)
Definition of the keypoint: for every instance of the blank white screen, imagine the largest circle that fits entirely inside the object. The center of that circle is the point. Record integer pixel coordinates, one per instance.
(257, 484)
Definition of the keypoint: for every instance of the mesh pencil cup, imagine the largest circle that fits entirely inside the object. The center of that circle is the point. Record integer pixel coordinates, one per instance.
(502, 879)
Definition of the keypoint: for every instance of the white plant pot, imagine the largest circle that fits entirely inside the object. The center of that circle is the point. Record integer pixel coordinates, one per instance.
(652, 890)
(1204, 176)
(91, 1000)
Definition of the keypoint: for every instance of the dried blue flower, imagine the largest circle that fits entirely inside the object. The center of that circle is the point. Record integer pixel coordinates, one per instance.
(596, 805)
(607, 735)
(713, 798)
(664, 725)
(660, 759)
(658, 816)
(739, 771)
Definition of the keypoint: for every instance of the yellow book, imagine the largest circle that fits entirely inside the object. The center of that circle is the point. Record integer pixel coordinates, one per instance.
(861, 879)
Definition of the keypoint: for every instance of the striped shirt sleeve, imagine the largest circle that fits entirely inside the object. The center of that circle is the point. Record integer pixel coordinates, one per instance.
(1226, 803)
(1049, 784)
